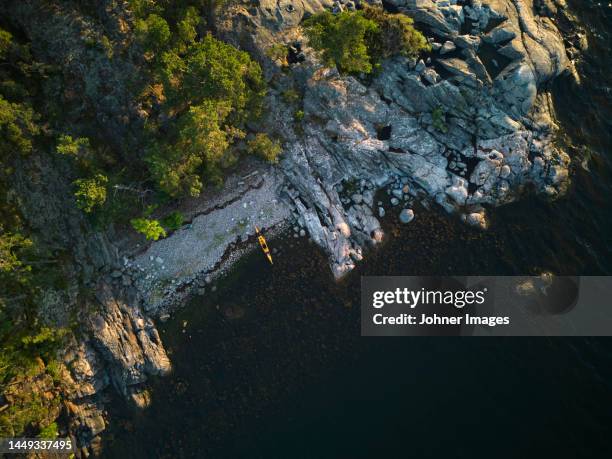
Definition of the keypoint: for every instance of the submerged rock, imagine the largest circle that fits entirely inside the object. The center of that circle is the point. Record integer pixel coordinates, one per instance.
(406, 215)
(477, 219)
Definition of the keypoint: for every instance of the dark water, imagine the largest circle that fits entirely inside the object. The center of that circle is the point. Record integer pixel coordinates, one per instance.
(272, 365)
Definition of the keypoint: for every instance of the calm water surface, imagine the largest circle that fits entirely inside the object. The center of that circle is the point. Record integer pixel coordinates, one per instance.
(272, 364)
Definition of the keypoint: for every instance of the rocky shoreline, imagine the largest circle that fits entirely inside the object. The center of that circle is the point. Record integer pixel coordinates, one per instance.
(469, 126)
(496, 136)
(465, 128)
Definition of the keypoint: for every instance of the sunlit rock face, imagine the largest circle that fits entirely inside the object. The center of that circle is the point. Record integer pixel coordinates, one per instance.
(464, 127)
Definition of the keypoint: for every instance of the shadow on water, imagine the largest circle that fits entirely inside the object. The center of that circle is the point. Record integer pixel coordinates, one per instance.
(272, 364)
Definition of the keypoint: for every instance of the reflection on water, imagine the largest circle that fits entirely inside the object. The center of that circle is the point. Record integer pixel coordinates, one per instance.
(272, 365)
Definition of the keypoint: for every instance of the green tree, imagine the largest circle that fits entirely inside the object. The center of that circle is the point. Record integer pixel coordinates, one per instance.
(278, 53)
(10, 244)
(187, 25)
(153, 33)
(141, 8)
(212, 69)
(341, 39)
(44, 339)
(68, 146)
(17, 127)
(6, 40)
(88, 160)
(150, 228)
(209, 90)
(355, 41)
(197, 148)
(264, 147)
(173, 221)
(90, 192)
(394, 35)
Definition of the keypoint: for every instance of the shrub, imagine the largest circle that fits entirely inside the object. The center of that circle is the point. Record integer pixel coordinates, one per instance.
(278, 54)
(151, 229)
(190, 19)
(45, 339)
(107, 46)
(196, 146)
(6, 40)
(90, 192)
(153, 33)
(213, 89)
(212, 69)
(10, 245)
(49, 432)
(341, 39)
(17, 128)
(394, 35)
(72, 147)
(53, 368)
(439, 120)
(355, 41)
(142, 7)
(173, 221)
(264, 147)
(26, 410)
(291, 96)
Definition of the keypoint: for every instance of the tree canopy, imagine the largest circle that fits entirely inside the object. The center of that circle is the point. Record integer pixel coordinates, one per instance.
(264, 147)
(197, 140)
(152, 32)
(355, 41)
(341, 39)
(212, 69)
(17, 127)
(25, 344)
(90, 192)
(394, 35)
(198, 94)
(210, 90)
(151, 229)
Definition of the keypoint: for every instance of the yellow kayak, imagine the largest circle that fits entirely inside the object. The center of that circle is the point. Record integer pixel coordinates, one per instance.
(264, 245)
